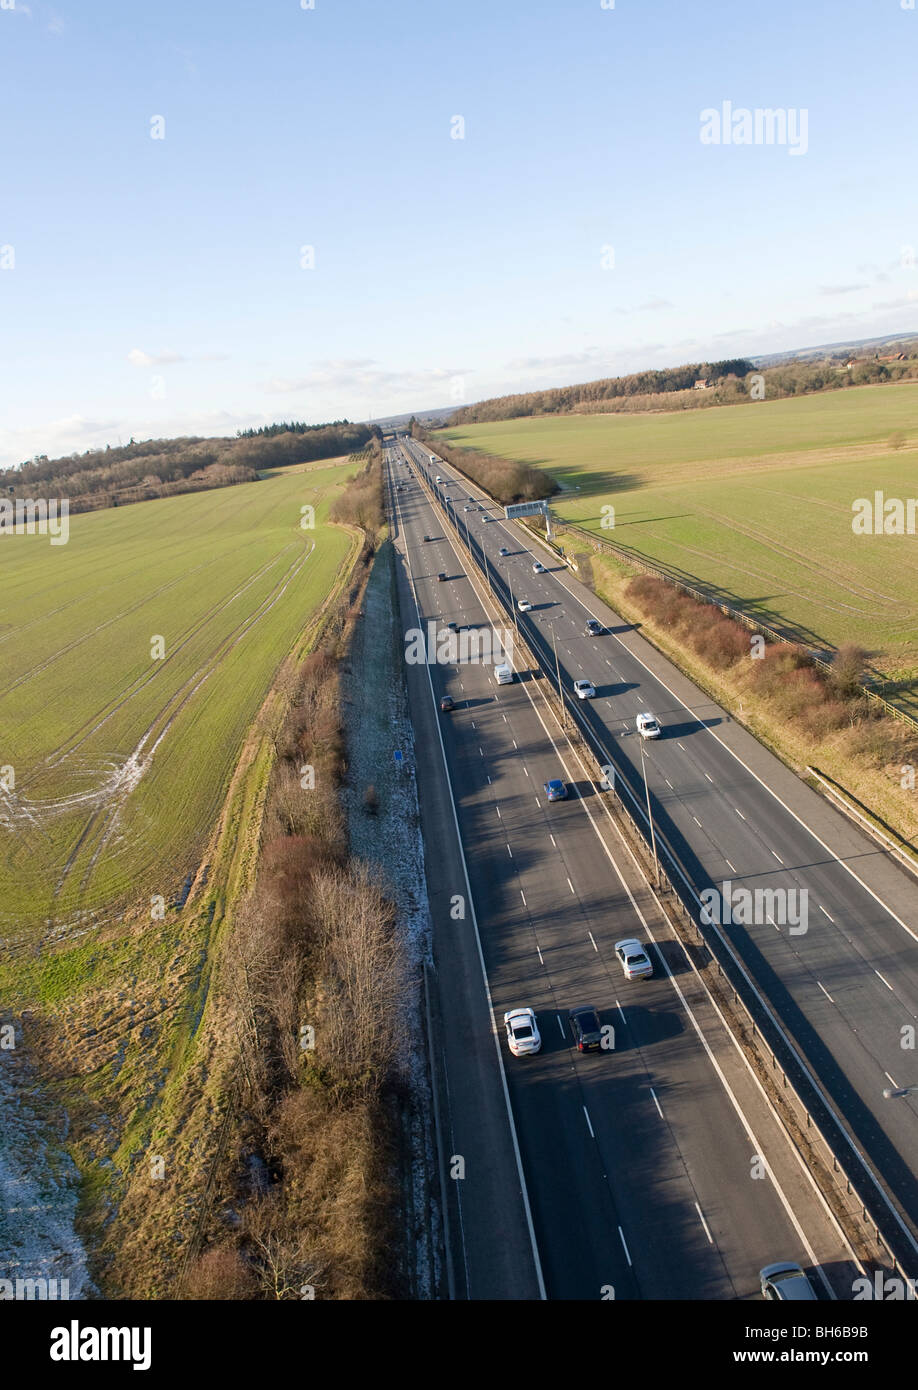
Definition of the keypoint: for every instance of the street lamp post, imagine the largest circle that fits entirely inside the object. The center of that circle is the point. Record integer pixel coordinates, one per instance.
(653, 838)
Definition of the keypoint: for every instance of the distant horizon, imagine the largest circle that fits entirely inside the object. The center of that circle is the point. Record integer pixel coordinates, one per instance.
(442, 410)
(213, 219)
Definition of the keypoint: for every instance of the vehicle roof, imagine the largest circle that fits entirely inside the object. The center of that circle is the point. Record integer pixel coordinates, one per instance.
(583, 1009)
(629, 941)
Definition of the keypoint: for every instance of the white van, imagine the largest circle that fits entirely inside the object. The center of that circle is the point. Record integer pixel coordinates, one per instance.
(504, 675)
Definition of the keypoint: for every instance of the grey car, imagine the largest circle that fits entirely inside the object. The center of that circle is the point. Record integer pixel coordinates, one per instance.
(786, 1283)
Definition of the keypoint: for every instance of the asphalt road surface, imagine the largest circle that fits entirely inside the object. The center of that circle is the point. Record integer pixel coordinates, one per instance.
(634, 1169)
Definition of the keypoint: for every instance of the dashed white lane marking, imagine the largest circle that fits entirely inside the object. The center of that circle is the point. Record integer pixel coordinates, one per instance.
(570, 886)
(538, 803)
(826, 993)
(526, 770)
(656, 1102)
(510, 851)
(514, 743)
(560, 1024)
(739, 813)
(704, 1223)
(552, 838)
(481, 751)
(523, 896)
(473, 724)
(620, 1009)
(497, 809)
(669, 784)
(710, 779)
(778, 857)
(826, 914)
(886, 982)
(539, 949)
(489, 780)
(625, 1246)
(679, 745)
(595, 947)
(731, 867)
(587, 1113)
(696, 820)
(889, 1078)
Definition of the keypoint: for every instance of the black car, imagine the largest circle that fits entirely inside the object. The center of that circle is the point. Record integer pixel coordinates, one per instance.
(593, 627)
(441, 576)
(446, 703)
(453, 627)
(585, 1028)
(427, 538)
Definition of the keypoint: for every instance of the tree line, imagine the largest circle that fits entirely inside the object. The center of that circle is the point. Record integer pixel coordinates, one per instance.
(141, 470)
(566, 399)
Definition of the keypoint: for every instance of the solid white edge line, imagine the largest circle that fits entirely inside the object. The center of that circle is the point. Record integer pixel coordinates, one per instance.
(484, 974)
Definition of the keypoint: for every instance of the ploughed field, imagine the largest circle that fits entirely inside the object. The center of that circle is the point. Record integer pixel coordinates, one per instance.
(133, 660)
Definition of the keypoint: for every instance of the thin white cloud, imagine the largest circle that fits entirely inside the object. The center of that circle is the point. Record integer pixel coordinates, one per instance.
(138, 358)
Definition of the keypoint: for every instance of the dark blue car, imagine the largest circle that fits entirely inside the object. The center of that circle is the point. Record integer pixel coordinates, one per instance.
(555, 790)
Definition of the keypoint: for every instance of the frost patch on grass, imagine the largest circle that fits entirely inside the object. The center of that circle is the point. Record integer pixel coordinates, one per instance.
(378, 725)
(38, 1190)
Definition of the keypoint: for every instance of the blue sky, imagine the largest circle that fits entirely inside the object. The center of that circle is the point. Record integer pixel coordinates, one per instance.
(156, 286)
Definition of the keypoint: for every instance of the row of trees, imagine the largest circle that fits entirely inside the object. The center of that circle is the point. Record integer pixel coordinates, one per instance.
(138, 471)
(564, 399)
(507, 480)
(318, 987)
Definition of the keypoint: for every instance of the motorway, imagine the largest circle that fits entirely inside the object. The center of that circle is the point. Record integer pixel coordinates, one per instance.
(634, 1170)
(846, 988)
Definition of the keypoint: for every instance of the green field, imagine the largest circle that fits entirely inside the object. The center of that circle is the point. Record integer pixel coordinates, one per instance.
(121, 758)
(754, 504)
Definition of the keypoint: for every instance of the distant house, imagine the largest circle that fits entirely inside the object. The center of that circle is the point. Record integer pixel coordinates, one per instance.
(893, 357)
(702, 383)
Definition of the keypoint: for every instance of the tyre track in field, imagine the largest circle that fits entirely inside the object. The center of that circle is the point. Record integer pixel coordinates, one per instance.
(48, 661)
(97, 720)
(835, 605)
(17, 630)
(105, 816)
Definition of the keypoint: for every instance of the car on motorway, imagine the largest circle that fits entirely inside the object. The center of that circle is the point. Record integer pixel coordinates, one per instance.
(503, 550)
(786, 1283)
(453, 627)
(503, 674)
(427, 538)
(523, 605)
(584, 690)
(471, 499)
(635, 962)
(523, 1035)
(586, 1028)
(447, 703)
(538, 567)
(468, 507)
(555, 790)
(439, 479)
(441, 576)
(647, 726)
(593, 627)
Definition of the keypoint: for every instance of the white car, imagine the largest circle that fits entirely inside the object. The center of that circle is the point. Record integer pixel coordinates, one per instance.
(538, 567)
(522, 1032)
(523, 605)
(586, 690)
(635, 961)
(647, 726)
